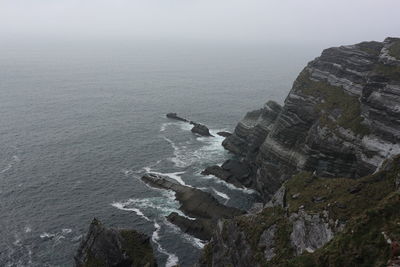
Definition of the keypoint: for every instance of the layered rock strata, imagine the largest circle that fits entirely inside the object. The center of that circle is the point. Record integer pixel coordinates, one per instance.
(340, 119)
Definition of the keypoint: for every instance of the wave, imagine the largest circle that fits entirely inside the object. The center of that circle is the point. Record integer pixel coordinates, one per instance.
(181, 157)
(123, 206)
(15, 159)
(172, 259)
(173, 175)
(223, 195)
(229, 185)
(159, 206)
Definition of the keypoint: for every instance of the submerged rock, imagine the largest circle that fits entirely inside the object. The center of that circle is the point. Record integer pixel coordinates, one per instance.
(113, 247)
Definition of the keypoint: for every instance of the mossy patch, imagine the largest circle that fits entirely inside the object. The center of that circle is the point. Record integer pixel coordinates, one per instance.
(335, 107)
(337, 195)
(394, 50)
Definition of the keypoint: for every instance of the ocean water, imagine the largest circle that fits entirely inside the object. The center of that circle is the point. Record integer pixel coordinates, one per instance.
(80, 123)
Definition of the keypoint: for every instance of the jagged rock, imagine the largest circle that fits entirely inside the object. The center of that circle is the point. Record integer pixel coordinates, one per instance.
(176, 117)
(217, 171)
(200, 129)
(224, 134)
(278, 199)
(111, 247)
(310, 232)
(267, 242)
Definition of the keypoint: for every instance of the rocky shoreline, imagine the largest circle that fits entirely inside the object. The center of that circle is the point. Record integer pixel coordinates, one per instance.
(324, 163)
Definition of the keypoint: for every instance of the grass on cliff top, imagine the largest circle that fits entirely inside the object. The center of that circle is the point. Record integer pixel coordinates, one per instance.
(394, 50)
(334, 194)
(333, 100)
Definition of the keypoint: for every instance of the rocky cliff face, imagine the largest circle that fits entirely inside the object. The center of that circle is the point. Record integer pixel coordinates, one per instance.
(111, 247)
(341, 119)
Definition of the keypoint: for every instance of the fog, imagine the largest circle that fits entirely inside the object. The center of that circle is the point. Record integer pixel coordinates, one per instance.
(253, 21)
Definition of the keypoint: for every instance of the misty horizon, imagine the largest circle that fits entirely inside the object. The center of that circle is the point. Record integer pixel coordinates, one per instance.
(255, 22)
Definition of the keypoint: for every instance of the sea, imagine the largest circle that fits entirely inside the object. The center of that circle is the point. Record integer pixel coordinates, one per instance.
(81, 122)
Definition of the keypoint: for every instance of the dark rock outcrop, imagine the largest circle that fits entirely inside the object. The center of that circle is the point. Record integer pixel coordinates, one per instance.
(224, 134)
(200, 129)
(194, 203)
(176, 117)
(115, 248)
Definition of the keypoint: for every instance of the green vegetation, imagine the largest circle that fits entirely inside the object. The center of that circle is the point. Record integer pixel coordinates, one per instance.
(394, 50)
(333, 100)
(368, 206)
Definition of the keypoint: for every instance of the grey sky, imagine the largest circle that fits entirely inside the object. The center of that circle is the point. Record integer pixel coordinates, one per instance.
(337, 21)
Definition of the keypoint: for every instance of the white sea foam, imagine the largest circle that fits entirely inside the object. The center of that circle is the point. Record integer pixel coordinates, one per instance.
(28, 229)
(191, 239)
(181, 157)
(230, 186)
(163, 205)
(66, 231)
(173, 175)
(123, 206)
(47, 235)
(223, 195)
(172, 258)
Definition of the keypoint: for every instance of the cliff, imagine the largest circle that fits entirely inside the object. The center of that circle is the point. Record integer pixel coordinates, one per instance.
(340, 119)
(325, 165)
